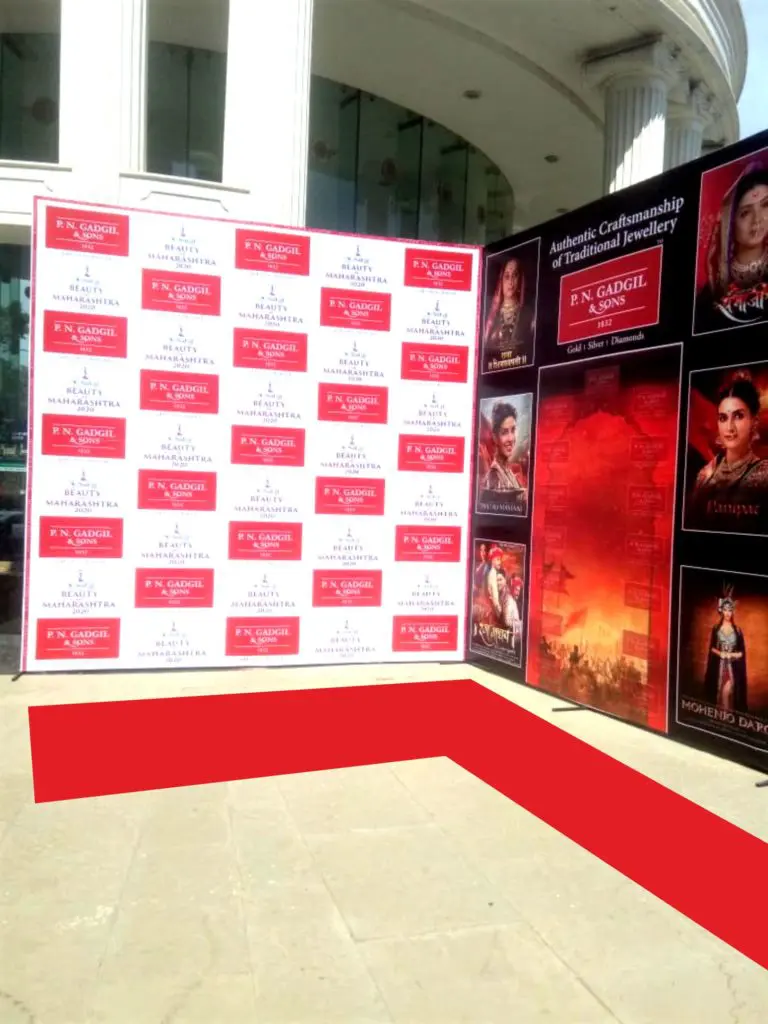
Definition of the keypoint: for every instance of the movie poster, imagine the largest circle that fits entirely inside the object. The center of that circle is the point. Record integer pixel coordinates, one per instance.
(498, 587)
(732, 252)
(726, 470)
(722, 686)
(503, 455)
(509, 326)
(603, 510)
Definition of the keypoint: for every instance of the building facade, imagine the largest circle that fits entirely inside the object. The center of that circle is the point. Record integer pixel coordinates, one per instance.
(450, 120)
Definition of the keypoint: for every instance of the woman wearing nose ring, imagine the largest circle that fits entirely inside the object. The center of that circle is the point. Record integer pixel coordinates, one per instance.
(731, 490)
(736, 292)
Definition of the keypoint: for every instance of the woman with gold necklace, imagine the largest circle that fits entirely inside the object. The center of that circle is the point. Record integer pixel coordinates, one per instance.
(736, 293)
(509, 325)
(731, 491)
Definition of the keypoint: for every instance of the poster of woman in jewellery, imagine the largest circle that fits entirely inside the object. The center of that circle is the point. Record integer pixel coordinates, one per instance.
(732, 252)
(509, 330)
(727, 454)
(722, 686)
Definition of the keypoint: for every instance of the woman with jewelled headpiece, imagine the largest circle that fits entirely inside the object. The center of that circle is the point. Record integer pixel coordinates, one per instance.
(725, 683)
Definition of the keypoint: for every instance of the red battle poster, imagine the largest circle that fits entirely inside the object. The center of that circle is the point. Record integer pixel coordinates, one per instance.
(603, 512)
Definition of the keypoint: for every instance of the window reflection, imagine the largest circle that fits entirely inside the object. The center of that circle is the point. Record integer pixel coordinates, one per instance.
(29, 97)
(377, 168)
(335, 118)
(14, 363)
(185, 111)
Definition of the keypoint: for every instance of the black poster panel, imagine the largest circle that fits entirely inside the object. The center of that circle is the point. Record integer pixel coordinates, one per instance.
(620, 523)
(720, 621)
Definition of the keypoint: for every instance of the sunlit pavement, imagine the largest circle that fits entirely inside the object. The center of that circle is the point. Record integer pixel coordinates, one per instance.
(409, 892)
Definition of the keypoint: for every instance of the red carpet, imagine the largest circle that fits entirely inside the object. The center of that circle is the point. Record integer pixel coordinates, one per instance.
(659, 839)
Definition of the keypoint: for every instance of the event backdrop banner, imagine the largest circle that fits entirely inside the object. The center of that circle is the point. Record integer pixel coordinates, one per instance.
(622, 449)
(248, 445)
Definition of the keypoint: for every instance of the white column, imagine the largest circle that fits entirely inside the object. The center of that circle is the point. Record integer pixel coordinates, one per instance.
(266, 120)
(635, 119)
(103, 93)
(133, 70)
(686, 122)
(636, 86)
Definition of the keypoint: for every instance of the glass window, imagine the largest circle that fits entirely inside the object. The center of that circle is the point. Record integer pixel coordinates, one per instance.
(14, 363)
(185, 111)
(29, 97)
(500, 204)
(443, 185)
(410, 141)
(334, 120)
(378, 169)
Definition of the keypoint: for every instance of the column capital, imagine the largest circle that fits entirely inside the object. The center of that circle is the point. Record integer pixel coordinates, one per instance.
(652, 59)
(692, 104)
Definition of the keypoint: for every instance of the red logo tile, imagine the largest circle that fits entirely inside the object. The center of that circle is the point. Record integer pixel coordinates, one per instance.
(336, 496)
(354, 309)
(273, 252)
(107, 234)
(350, 588)
(94, 437)
(69, 537)
(422, 454)
(265, 541)
(270, 350)
(166, 391)
(427, 543)
(268, 446)
(425, 633)
(73, 639)
(179, 490)
(263, 637)
(85, 334)
(443, 364)
(174, 588)
(169, 291)
(352, 403)
(436, 268)
(621, 294)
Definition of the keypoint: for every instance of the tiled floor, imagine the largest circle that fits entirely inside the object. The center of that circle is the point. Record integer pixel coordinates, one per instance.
(407, 893)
